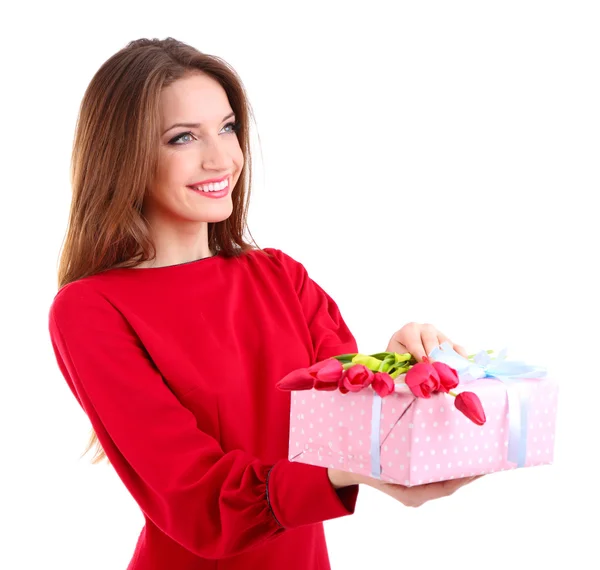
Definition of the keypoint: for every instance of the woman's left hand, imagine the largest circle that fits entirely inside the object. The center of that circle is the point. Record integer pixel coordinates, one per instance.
(419, 340)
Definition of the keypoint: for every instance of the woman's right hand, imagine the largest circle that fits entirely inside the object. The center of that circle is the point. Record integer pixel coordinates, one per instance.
(408, 496)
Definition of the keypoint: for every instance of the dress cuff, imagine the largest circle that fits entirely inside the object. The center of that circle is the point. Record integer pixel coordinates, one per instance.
(300, 494)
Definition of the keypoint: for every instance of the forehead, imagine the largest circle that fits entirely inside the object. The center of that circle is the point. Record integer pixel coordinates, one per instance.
(197, 98)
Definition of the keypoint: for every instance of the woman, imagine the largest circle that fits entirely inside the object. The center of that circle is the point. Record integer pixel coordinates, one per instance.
(172, 331)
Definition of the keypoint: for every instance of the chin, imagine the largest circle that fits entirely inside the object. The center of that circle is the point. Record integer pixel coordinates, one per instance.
(214, 217)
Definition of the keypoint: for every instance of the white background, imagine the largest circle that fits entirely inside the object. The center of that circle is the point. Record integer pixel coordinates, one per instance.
(426, 161)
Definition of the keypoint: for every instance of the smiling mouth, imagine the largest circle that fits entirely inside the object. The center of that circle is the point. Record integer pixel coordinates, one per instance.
(212, 190)
(212, 187)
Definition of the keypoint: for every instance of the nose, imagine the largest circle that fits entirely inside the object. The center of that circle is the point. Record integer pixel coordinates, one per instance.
(215, 156)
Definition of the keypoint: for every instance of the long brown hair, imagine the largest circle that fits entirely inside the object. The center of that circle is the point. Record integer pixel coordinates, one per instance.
(115, 156)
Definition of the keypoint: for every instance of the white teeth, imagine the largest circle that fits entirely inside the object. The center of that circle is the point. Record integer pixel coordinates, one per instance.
(212, 187)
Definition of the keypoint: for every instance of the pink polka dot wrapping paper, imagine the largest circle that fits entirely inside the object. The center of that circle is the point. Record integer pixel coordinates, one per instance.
(421, 440)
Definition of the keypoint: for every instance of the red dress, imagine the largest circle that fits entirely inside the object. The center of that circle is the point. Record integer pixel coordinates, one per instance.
(176, 369)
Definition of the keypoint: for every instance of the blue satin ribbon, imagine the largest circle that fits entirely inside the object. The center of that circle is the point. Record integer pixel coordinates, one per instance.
(375, 439)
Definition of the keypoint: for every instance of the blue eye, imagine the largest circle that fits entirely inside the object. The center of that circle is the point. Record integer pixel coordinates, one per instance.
(179, 137)
(235, 127)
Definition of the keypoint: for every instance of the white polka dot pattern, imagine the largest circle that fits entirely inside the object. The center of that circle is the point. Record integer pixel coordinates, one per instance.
(422, 440)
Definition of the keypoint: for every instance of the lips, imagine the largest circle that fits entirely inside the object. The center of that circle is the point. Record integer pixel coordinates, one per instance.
(211, 181)
(222, 191)
(212, 193)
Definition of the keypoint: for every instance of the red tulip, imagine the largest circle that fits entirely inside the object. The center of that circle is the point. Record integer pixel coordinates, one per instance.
(423, 379)
(297, 380)
(447, 375)
(470, 405)
(356, 378)
(327, 373)
(324, 375)
(383, 384)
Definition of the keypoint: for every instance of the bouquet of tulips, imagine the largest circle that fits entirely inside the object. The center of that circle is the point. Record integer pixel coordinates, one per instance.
(385, 372)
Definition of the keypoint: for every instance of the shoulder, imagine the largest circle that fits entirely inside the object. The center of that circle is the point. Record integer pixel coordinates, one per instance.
(277, 256)
(78, 301)
(285, 267)
(71, 293)
(282, 262)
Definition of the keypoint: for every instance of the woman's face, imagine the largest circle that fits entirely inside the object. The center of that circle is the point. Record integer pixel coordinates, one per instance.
(205, 148)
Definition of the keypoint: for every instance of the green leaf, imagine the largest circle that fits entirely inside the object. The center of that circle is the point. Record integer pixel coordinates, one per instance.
(395, 371)
(381, 355)
(343, 358)
(346, 356)
(387, 363)
(368, 361)
(399, 371)
(405, 357)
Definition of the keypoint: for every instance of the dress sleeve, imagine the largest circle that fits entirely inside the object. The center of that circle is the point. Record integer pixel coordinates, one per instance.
(330, 334)
(214, 504)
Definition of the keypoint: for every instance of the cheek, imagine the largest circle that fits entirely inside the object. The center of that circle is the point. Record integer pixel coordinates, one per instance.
(235, 151)
(173, 169)
(238, 159)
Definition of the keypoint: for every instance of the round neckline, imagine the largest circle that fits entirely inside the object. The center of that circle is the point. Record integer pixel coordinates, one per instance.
(194, 261)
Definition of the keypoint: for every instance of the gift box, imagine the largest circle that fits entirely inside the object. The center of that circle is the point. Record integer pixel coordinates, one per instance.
(401, 438)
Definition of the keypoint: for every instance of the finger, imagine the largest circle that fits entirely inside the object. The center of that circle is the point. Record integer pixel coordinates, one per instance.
(396, 346)
(411, 341)
(429, 338)
(466, 480)
(442, 338)
(458, 348)
(416, 349)
(420, 494)
(453, 485)
(401, 349)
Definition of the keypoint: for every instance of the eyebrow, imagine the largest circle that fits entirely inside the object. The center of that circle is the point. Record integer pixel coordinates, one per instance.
(194, 125)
